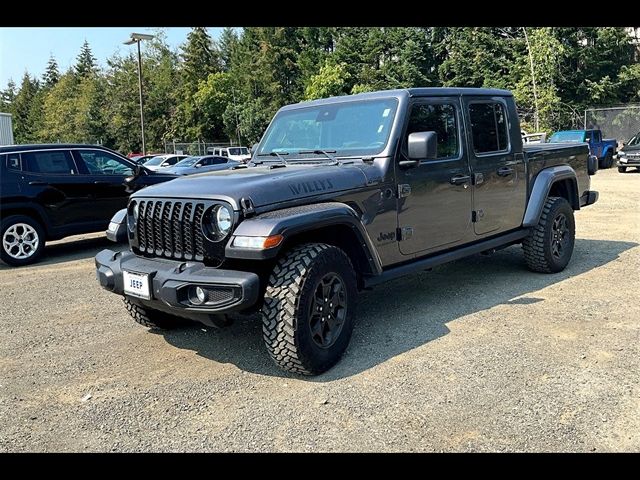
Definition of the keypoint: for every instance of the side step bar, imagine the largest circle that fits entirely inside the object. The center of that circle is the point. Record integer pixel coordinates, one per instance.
(438, 259)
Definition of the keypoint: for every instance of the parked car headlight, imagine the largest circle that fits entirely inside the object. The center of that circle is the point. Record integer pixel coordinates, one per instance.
(217, 222)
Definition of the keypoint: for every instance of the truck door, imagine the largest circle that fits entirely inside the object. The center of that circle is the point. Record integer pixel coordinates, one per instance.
(596, 142)
(434, 208)
(497, 165)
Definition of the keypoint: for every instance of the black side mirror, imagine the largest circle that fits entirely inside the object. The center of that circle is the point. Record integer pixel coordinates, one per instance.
(421, 146)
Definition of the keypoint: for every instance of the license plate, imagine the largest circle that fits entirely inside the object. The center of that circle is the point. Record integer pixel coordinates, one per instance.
(136, 284)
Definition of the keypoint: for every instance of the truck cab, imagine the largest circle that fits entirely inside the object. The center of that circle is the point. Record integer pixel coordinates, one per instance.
(342, 194)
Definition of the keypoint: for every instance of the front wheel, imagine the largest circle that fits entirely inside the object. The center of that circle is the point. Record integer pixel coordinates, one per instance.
(309, 306)
(22, 240)
(622, 169)
(549, 246)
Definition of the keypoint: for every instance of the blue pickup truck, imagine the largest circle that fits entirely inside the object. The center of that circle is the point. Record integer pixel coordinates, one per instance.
(604, 149)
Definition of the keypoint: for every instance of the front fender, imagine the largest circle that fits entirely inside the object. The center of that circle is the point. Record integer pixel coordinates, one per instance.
(541, 188)
(292, 221)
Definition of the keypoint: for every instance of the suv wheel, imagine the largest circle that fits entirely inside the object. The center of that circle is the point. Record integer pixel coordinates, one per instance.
(549, 246)
(608, 159)
(22, 240)
(309, 306)
(150, 318)
(622, 169)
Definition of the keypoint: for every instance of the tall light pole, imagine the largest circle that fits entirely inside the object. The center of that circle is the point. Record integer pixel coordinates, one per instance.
(137, 38)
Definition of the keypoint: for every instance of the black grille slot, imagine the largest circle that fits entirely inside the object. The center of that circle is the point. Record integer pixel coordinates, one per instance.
(197, 221)
(173, 229)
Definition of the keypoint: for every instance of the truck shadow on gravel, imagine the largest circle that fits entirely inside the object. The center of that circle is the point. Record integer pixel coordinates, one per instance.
(406, 313)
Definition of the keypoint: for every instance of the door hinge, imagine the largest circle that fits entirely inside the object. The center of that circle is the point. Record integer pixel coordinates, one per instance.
(404, 190)
(404, 233)
(476, 215)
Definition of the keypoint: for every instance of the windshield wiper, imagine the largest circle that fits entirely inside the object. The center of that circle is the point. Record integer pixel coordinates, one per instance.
(272, 154)
(327, 153)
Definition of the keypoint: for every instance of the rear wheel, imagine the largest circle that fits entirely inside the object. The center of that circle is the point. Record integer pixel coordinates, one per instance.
(151, 318)
(308, 311)
(549, 246)
(622, 169)
(608, 159)
(22, 240)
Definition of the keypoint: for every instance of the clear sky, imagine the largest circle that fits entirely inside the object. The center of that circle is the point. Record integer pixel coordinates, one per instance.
(29, 48)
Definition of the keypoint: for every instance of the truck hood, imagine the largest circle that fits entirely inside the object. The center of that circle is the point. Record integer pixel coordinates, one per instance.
(267, 185)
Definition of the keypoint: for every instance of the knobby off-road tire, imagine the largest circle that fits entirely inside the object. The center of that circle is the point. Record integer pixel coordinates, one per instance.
(309, 307)
(549, 246)
(22, 240)
(622, 169)
(150, 318)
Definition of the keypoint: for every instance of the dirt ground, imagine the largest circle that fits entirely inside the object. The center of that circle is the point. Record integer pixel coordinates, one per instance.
(477, 355)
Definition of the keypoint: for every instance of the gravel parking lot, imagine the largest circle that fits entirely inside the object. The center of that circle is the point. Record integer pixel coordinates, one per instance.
(477, 355)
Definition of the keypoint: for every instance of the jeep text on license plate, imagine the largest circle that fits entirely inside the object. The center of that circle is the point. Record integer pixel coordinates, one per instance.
(136, 284)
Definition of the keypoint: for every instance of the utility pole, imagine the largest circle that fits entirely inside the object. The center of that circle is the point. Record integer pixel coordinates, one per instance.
(235, 109)
(137, 38)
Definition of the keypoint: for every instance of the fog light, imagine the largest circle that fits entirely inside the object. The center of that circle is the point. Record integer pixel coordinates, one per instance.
(197, 295)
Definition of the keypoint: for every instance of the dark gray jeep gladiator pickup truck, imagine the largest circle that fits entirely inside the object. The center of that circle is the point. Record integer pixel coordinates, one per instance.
(342, 194)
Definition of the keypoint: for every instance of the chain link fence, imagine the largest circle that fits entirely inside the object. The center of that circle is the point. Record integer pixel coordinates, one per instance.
(193, 148)
(621, 122)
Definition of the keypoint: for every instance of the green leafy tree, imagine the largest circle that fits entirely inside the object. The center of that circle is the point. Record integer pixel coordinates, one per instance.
(332, 80)
(21, 108)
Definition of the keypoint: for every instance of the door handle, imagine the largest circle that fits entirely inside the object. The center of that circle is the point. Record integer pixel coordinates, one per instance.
(460, 179)
(100, 182)
(505, 171)
(38, 182)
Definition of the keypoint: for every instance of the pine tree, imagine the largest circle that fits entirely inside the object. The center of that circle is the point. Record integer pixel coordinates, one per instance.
(86, 62)
(21, 109)
(228, 44)
(200, 58)
(51, 74)
(7, 96)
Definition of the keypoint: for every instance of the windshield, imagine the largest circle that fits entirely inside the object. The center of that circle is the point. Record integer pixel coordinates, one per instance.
(634, 140)
(347, 128)
(155, 161)
(561, 137)
(239, 151)
(187, 162)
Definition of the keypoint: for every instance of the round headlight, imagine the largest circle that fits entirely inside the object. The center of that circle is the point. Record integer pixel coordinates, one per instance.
(132, 219)
(223, 220)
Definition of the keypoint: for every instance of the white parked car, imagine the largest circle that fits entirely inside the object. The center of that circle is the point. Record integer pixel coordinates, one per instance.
(163, 161)
(239, 154)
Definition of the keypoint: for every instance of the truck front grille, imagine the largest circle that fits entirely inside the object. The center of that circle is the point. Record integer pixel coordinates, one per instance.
(171, 229)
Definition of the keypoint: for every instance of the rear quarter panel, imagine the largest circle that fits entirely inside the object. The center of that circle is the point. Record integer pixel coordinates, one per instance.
(541, 156)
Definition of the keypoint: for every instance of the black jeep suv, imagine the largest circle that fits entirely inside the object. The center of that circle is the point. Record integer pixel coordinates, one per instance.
(48, 192)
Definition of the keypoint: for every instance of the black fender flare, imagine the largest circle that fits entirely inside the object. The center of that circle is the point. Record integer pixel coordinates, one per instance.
(294, 220)
(541, 188)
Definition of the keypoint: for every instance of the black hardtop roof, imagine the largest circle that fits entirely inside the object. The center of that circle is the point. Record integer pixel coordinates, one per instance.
(48, 146)
(407, 92)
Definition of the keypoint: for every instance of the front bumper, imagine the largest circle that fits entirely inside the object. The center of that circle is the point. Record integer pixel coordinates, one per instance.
(170, 280)
(628, 162)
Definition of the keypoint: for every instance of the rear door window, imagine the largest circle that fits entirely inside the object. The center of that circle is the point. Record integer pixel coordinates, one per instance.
(488, 127)
(11, 161)
(58, 162)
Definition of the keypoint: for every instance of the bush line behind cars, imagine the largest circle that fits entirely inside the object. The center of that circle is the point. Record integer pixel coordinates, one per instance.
(343, 194)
